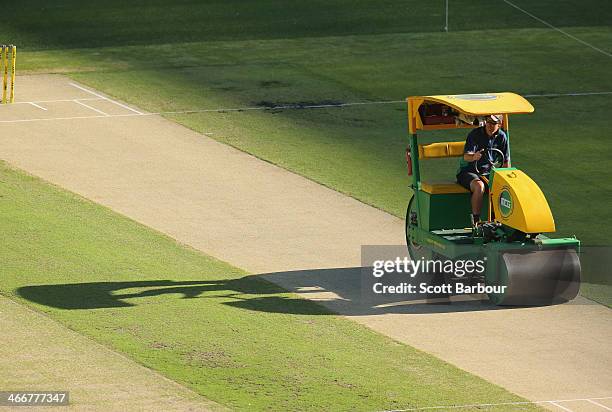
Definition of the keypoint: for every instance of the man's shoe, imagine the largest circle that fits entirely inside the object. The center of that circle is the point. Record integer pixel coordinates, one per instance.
(475, 219)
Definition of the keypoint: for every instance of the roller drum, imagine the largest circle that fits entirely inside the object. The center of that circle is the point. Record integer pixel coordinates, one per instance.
(538, 277)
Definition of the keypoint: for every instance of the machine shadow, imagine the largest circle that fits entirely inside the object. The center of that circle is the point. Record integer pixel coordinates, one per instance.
(348, 291)
(327, 292)
(249, 292)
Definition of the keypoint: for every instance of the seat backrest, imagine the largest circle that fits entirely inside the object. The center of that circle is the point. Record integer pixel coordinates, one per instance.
(440, 150)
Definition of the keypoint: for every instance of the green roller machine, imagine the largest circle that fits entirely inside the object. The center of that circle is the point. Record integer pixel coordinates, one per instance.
(521, 264)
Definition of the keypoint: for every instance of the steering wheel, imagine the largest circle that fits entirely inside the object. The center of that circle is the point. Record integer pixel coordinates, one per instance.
(498, 159)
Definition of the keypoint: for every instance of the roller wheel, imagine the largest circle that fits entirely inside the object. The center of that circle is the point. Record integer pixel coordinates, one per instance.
(539, 277)
(416, 250)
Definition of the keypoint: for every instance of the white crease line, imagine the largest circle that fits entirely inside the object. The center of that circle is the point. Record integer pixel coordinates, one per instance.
(243, 109)
(599, 404)
(284, 107)
(560, 407)
(92, 108)
(87, 90)
(58, 100)
(296, 106)
(36, 105)
(41, 119)
(105, 98)
(567, 94)
(125, 106)
(558, 29)
(476, 405)
(281, 107)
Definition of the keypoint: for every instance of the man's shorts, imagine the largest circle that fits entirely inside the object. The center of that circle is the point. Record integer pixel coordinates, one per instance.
(465, 178)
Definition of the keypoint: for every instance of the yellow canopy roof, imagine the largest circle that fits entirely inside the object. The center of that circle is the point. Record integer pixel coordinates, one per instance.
(480, 104)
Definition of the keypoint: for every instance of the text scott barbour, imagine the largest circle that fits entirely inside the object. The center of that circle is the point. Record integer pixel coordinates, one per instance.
(405, 266)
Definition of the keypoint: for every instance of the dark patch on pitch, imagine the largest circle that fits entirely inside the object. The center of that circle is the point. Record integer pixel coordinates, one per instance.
(275, 106)
(272, 83)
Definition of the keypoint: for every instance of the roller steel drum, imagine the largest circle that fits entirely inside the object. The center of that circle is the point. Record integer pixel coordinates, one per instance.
(535, 277)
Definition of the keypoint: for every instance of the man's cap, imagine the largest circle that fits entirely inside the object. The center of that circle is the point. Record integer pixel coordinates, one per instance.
(497, 118)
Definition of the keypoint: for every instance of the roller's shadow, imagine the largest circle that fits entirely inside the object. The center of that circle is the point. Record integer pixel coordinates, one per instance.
(249, 292)
(332, 290)
(349, 291)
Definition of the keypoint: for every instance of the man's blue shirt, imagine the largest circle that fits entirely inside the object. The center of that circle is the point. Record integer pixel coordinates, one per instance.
(477, 140)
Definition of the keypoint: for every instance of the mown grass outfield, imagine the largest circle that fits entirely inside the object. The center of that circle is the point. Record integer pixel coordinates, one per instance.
(233, 338)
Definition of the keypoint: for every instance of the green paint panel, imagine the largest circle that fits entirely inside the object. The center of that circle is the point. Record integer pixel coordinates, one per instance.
(444, 211)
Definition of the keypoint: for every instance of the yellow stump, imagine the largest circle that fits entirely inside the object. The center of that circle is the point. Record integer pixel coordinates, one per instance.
(13, 65)
(5, 52)
(5, 77)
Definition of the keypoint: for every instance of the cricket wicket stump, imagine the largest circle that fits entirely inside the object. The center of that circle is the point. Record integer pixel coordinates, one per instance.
(7, 52)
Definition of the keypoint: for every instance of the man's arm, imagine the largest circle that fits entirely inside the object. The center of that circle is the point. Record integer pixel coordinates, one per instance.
(472, 156)
(470, 150)
(506, 150)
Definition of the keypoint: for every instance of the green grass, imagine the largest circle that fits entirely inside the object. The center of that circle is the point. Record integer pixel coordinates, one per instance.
(233, 338)
(71, 23)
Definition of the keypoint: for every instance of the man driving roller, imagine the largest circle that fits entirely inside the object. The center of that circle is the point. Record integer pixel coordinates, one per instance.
(477, 151)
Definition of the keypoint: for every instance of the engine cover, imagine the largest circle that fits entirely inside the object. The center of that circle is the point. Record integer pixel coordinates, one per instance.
(519, 203)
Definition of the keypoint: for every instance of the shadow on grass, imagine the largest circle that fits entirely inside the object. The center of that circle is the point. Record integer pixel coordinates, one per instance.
(329, 290)
(348, 291)
(99, 295)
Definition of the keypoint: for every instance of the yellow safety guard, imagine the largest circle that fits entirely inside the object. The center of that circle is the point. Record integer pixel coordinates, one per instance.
(519, 203)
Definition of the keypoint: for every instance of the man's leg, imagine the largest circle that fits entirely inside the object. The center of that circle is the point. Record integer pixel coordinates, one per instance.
(477, 188)
(474, 184)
